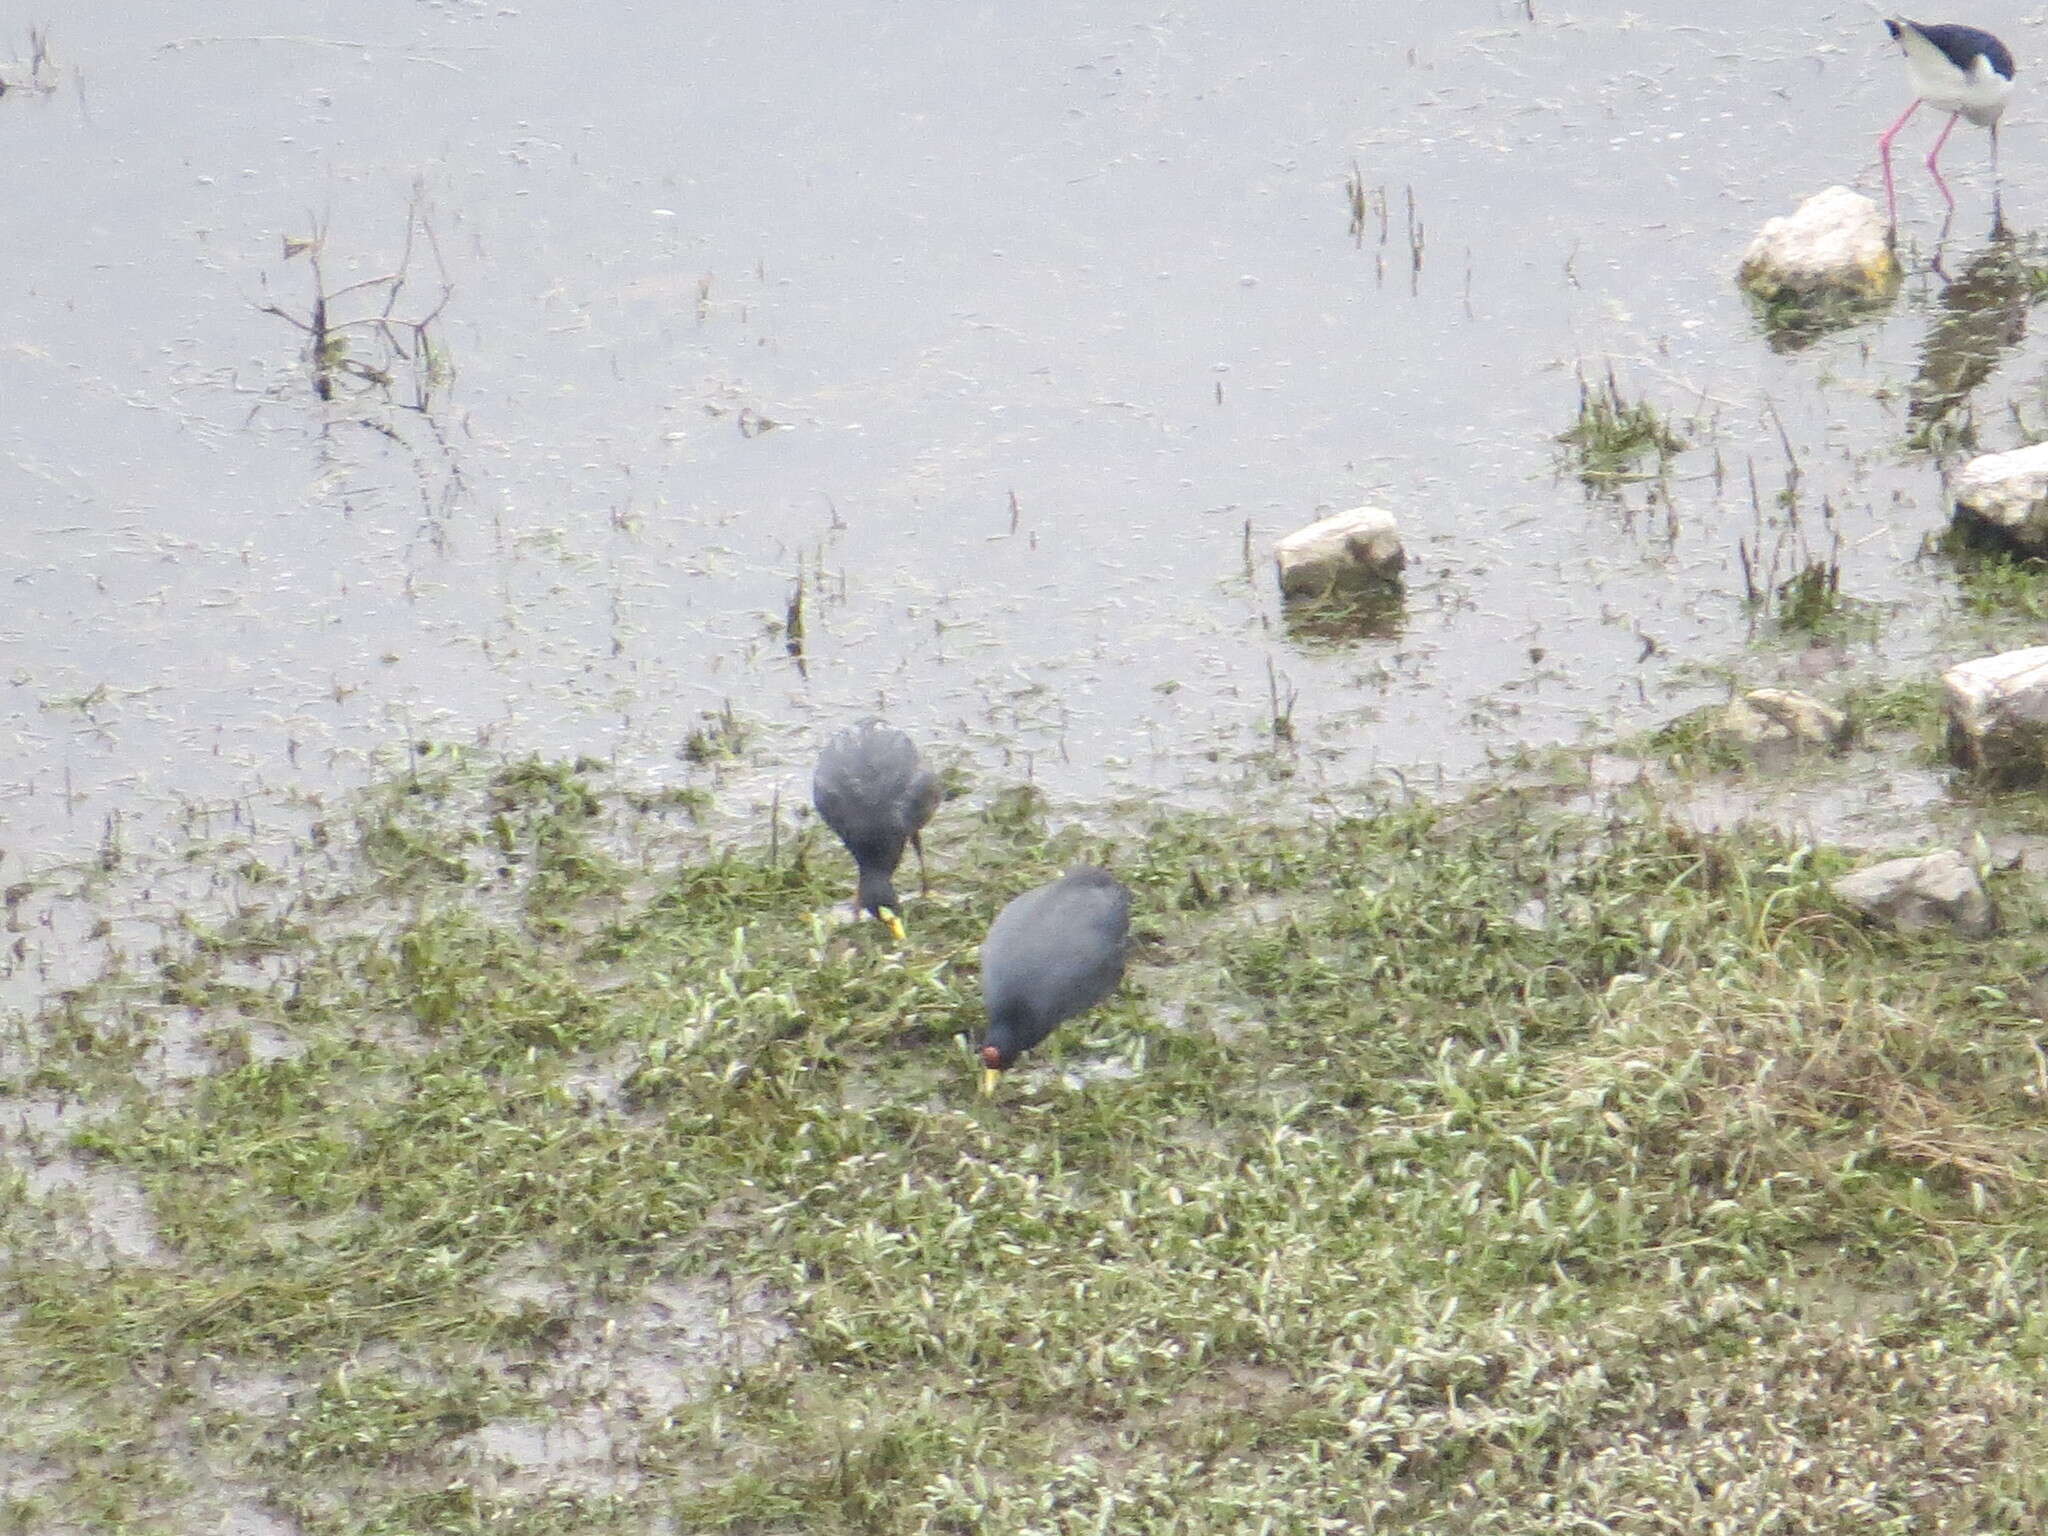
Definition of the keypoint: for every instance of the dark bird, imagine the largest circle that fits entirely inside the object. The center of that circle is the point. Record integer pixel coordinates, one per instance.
(1963, 71)
(871, 789)
(1052, 953)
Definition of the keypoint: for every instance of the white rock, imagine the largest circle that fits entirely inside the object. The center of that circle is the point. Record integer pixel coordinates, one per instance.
(1998, 714)
(1932, 891)
(1765, 718)
(2009, 493)
(1361, 545)
(1835, 245)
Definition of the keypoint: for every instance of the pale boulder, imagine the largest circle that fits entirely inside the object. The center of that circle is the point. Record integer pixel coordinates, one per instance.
(1349, 549)
(1835, 245)
(2006, 493)
(1779, 719)
(1998, 714)
(1935, 890)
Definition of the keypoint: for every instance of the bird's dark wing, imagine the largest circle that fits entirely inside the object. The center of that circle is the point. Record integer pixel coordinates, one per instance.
(923, 798)
(1963, 46)
(1052, 953)
(869, 787)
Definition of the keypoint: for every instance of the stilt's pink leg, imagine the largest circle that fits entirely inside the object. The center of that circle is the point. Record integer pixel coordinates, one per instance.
(1934, 154)
(1884, 153)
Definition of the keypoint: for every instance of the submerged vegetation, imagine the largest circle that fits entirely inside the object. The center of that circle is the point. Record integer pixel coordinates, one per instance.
(553, 1169)
(32, 71)
(1997, 584)
(358, 342)
(1613, 435)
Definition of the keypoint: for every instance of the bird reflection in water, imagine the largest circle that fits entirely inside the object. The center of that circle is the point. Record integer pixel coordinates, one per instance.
(1980, 316)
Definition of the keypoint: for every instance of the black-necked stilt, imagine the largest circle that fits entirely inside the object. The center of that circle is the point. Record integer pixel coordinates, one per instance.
(1963, 71)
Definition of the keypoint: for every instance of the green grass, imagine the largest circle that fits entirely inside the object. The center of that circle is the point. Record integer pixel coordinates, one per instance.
(1612, 436)
(1810, 602)
(1911, 705)
(1996, 584)
(1697, 742)
(1471, 1169)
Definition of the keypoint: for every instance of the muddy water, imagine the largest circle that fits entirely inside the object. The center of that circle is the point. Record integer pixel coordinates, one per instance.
(1002, 330)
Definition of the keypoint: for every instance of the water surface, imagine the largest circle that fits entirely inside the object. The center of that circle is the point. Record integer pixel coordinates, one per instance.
(1005, 331)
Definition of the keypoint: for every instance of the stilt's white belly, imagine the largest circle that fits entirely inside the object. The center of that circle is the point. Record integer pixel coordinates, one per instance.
(1979, 94)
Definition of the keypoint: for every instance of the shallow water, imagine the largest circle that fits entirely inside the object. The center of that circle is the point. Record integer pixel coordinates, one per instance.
(1055, 312)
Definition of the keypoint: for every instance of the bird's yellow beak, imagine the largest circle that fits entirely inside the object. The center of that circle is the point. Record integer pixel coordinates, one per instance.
(891, 922)
(990, 1076)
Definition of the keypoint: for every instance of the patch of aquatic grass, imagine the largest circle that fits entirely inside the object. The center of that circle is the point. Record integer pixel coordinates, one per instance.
(544, 814)
(719, 735)
(1613, 435)
(1791, 322)
(1997, 584)
(1810, 602)
(373, 1417)
(1698, 742)
(1914, 704)
(1913, 707)
(1461, 1168)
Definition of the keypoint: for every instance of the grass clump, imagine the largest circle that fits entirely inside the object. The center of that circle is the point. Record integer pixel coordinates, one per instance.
(1810, 601)
(1613, 435)
(1911, 705)
(2001, 585)
(1477, 1168)
(720, 735)
(1699, 742)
